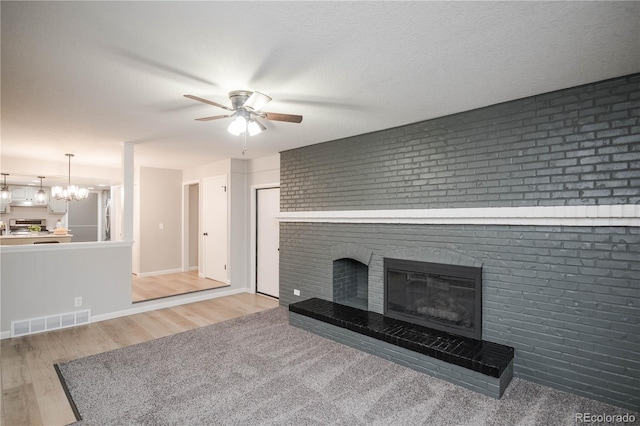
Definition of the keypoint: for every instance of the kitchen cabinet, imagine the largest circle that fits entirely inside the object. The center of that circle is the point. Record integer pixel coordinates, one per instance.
(26, 195)
(22, 195)
(4, 208)
(57, 206)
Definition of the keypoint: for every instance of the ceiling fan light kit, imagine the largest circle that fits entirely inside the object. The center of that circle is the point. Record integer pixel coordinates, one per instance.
(246, 106)
(254, 127)
(237, 126)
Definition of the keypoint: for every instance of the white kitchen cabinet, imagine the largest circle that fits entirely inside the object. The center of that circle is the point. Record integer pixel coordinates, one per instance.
(4, 208)
(23, 195)
(57, 206)
(26, 195)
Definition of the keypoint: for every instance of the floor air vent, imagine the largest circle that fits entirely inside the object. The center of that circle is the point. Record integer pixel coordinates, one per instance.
(52, 322)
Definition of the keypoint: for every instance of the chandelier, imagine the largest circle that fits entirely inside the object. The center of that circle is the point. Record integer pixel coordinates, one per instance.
(71, 192)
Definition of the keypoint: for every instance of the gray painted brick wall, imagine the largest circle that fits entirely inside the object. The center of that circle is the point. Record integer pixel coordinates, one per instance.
(567, 298)
(579, 146)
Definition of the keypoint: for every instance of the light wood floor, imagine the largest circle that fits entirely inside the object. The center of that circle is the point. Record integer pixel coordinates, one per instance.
(31, 391)
(159, 286)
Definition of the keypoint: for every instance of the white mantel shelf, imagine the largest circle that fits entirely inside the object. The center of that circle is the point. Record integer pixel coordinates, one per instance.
(605, 215)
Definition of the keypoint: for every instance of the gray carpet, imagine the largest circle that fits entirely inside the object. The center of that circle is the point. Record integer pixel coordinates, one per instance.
(258, 370)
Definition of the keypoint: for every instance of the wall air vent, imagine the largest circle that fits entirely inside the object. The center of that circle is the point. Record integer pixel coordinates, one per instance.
(48, 323)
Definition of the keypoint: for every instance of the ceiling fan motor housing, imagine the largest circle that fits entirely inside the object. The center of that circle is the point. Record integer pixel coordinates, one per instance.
(238, 98)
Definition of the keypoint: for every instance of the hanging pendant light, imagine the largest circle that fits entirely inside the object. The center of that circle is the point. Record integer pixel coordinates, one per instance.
(5, 194)
(41, 195)
(71, 192)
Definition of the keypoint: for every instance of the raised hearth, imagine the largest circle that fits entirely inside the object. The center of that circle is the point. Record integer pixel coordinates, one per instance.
(491, 360)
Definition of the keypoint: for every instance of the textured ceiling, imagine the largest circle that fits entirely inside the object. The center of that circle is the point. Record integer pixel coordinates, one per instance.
(83, 77)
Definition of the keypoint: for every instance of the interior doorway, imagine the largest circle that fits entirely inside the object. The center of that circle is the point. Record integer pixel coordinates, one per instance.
(267, 241)
(192, 279)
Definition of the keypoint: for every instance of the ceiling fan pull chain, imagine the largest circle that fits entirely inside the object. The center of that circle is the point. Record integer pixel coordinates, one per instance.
(244, 142)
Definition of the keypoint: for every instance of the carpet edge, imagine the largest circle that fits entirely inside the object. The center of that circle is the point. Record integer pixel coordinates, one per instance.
(72, 403)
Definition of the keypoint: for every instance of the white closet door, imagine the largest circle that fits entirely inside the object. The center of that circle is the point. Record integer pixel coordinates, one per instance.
(214, 229)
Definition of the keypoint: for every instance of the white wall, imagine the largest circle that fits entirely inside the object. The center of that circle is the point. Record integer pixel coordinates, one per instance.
(193, 229)
(238, 217)
(160, 221)
(101, 272)
(264, 170)
(44, 280)
(222, 167)
(242, 174)
(135, 252)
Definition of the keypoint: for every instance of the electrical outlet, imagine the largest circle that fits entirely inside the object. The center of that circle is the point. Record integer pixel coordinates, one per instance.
(161, 226)
(77, 302)
(296, 292)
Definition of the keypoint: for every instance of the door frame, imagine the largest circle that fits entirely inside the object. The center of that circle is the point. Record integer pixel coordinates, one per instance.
(253, 282)
(185, 221)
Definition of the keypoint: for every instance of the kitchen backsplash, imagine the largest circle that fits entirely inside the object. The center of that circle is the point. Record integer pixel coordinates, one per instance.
(33, 213)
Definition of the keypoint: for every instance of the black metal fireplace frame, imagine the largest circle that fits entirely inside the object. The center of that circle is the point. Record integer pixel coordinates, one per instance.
(464, 272)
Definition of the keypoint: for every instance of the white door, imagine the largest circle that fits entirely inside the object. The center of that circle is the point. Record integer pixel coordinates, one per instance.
(214, 228)
(268, 241)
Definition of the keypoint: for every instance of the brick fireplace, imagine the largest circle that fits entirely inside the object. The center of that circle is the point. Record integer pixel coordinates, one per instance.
(430, 322)
(541, 193)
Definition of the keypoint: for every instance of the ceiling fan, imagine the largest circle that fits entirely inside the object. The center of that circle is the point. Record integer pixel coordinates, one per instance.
(246, 110)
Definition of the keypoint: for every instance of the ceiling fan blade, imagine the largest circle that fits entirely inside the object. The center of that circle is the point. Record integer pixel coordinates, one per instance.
(195, 98)
(215, 117)
(256, 101)
(281, 117)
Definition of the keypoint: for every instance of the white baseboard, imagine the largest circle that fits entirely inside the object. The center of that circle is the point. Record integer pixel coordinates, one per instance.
(154, 273)
(153, 305)
(193, 268)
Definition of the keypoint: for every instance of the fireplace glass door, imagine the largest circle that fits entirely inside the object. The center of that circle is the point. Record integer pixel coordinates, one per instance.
(444, 297)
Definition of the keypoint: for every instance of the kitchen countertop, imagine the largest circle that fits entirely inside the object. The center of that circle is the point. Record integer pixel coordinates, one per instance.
(38, 235)
(27, 239)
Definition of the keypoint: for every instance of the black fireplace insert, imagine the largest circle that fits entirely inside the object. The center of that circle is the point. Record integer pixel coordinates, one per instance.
(444, 297)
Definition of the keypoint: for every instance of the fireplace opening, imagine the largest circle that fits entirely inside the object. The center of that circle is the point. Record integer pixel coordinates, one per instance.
(351, 283)
(439, 296)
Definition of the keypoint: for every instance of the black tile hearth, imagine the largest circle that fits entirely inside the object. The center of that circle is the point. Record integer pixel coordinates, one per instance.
(478, 355)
